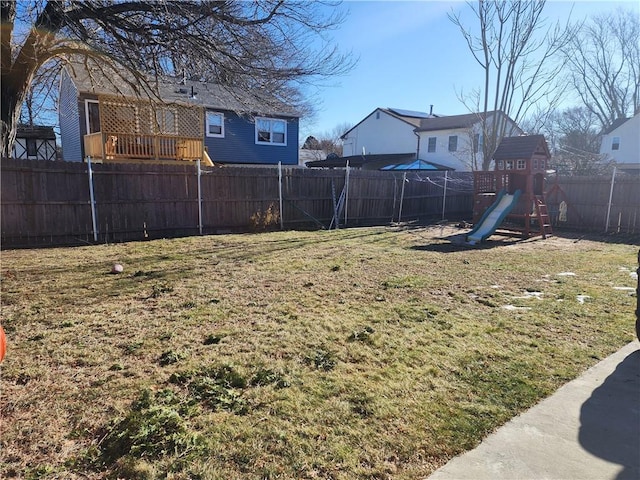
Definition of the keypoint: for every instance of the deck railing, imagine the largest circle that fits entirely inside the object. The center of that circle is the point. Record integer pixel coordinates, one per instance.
(115, 147)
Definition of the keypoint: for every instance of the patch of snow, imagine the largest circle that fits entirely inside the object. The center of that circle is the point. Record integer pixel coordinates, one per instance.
(527, 295)
(626, 289)
(582, 298)
(566, 274)
(496, 286)
(634, 275)
(513, 307)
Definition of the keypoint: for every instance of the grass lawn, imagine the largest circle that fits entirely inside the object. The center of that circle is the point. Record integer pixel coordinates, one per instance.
(365, 353)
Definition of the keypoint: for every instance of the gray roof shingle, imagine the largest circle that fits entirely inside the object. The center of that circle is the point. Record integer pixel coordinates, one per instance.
(107, 80)
(521, 147)
(450, 122)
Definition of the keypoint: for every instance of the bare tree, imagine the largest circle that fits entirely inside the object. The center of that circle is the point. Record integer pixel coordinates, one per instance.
(577, 146)
(604, 65)
(265, 49)
(516, 51)
(326, 143)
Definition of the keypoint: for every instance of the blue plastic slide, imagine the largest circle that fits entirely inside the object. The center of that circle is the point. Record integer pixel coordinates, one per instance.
(493, 217)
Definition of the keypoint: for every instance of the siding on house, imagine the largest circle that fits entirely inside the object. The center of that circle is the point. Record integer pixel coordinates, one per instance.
(462, 158)
(380, 133)
(69, 118)
(392, 131)
(628, 140)
(239, 145)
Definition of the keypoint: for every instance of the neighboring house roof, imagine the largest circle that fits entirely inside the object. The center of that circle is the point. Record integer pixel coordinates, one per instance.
(617, 123)
(410, 117)
(452, 121)
(35, 131)
(359, 161)
(106, 80)
(524, 146)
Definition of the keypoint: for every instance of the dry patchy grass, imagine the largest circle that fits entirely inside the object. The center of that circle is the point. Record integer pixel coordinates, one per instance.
(360, 353)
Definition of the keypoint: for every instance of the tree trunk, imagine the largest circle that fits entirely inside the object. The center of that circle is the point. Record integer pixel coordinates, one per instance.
(13, 95)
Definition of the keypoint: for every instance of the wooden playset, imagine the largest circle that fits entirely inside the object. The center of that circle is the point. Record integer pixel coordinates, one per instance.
(519, 171)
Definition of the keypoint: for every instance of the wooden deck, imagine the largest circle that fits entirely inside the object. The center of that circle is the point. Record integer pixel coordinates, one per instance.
(111, 147)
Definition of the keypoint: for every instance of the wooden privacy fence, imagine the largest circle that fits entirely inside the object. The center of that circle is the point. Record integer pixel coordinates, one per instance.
(68, 203)
(607, 203)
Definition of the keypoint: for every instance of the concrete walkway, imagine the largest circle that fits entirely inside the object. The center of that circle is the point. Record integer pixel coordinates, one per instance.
(588, 430)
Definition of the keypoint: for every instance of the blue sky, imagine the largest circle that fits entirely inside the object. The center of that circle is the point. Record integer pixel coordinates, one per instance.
(412, 56)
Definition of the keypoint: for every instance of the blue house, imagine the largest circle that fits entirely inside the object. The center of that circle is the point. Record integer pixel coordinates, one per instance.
(177, 120)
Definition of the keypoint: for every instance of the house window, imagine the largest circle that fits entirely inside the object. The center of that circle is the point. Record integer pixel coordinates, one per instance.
(453, 143)
(32, 147)
(92, 112)
(535, 164)
(615, 143)
(271, 131)
(377, 115)
(509, 165)
(431, 146)
(521, 164)
(215, 124)
(500, 164)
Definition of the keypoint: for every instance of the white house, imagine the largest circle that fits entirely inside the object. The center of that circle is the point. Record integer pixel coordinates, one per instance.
(383, 131)
(448, 141)
(621, 143)
(455, 140)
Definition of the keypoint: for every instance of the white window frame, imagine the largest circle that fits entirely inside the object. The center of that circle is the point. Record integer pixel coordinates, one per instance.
(615, 143)
(435, 144)
(271, 131)
(521, 164)
(455, 143)
(87, 101)
(218, 114)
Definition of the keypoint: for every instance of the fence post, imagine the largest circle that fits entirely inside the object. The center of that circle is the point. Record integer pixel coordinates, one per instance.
(613, 181)
(404, 180)
(93, 200)
(280, 194)
(199, 196)
(444, 194)
(346, 195)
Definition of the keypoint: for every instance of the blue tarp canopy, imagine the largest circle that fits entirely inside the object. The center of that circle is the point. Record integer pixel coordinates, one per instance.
(415, 165)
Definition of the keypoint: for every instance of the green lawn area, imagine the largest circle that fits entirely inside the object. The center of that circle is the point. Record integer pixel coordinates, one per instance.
(367, 353)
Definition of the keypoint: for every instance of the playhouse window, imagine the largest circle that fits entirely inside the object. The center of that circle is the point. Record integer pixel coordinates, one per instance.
(32, 147)
(521, 164)
(271, 131)
(453, 143)
(500, 165)
(215, 124)
(509, 165)
(431, 146)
